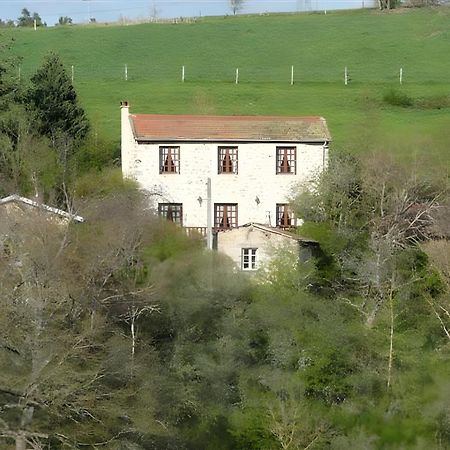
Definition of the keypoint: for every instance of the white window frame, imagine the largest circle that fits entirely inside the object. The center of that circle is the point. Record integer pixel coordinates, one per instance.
(248, 259)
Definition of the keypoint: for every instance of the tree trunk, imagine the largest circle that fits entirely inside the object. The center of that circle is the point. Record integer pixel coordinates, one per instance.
(20, 442)
(391, 339)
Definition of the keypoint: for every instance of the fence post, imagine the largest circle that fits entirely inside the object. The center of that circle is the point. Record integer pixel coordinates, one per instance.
(20, 72)
(237, 76)
(345, 76)
(182, 74)
(72, 72)
(292, 75)
(401, 75)
(126, 72)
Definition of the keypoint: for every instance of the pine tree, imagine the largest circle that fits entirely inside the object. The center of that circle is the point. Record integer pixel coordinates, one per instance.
(54, 100)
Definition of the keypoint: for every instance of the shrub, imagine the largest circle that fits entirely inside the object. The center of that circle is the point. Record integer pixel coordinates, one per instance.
(394, 97)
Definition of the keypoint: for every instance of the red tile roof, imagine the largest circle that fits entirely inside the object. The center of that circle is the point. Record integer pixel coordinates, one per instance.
(154, 127)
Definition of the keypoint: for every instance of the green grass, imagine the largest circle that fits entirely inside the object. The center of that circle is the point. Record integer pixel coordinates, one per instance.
(373, 45)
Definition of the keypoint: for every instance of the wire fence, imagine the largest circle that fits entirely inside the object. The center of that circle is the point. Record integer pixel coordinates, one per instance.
(282, 74)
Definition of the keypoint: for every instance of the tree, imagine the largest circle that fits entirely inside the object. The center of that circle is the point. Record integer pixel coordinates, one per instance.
(9, 85)
(54, 100)
(6, 23)
(377, 213)
(64, 20)
(27, 19)
(236, 5)
(69, 374)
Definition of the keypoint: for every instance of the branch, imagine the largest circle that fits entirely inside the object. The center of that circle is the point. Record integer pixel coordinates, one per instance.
(439, 317)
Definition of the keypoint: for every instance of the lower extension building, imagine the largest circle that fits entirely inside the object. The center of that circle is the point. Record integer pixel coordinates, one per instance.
(222, 171)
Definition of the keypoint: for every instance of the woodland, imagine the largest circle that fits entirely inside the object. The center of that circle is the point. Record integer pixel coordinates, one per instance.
(122, 333)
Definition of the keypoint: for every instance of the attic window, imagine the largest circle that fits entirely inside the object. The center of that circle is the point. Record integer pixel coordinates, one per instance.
(285, 217)
(287, 160)
(169, 159)
(228, 160)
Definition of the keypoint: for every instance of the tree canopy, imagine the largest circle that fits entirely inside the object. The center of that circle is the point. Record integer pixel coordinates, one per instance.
(236, 5)
(28, 19)
(54, 99)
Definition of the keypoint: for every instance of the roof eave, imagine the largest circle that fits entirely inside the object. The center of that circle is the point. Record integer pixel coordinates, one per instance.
(149, 140)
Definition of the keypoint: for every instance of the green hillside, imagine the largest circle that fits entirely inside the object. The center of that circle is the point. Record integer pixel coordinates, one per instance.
(371, 44)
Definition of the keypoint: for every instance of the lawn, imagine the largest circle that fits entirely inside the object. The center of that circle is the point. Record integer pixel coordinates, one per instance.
(373, 45)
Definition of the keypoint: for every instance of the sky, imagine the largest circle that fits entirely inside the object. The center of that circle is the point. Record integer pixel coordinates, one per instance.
(112, 10)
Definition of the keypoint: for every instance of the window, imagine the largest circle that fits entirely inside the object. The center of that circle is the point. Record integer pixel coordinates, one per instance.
(248, 259)
(285, 217)
(225, 215)
(171, 211)
(286, 160)
(169, 159)
(228, 160)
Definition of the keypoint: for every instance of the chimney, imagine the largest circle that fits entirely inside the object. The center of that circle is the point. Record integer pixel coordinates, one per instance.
(124, 104)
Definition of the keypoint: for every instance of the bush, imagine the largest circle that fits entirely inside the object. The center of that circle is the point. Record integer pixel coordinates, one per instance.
(397, 98)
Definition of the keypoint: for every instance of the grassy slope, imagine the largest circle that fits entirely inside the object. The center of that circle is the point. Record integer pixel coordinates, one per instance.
(373, 45)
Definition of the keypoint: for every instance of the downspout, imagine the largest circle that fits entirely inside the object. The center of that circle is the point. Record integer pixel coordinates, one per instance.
(324, 155)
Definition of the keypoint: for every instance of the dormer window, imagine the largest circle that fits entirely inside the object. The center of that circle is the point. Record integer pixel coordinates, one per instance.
(286, 160)
(228, 160)
(169, 159)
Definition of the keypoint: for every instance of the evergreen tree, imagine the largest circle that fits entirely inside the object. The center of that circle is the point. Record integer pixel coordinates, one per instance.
(54, 100)
(8, 82)
(27, 19)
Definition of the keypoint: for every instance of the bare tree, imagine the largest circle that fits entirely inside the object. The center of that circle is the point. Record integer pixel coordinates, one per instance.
(65, 291)
(382, 211)
(236, 5)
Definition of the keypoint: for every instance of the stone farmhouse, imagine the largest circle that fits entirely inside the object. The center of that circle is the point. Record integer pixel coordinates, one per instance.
(222, 172)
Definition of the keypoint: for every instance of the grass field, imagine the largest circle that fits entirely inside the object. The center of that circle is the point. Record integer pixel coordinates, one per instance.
(371, 44)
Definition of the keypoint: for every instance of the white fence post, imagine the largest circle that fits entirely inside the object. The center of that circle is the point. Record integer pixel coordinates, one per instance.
(126, 72)
(72, 72)
(345, 76)
(20, 72)
(237, 76)
(401, 75)
(292, 75)
(182, 74)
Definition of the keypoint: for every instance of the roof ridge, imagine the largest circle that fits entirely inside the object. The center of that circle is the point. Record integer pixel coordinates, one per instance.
(34, 203)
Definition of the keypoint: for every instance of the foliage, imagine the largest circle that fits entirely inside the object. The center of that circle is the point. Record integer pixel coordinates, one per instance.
(9, 86)
(397, 98)
(97, 184)
(54, 99)
(236, 5)
(64, 20)
(7, 23)
(28, 20)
